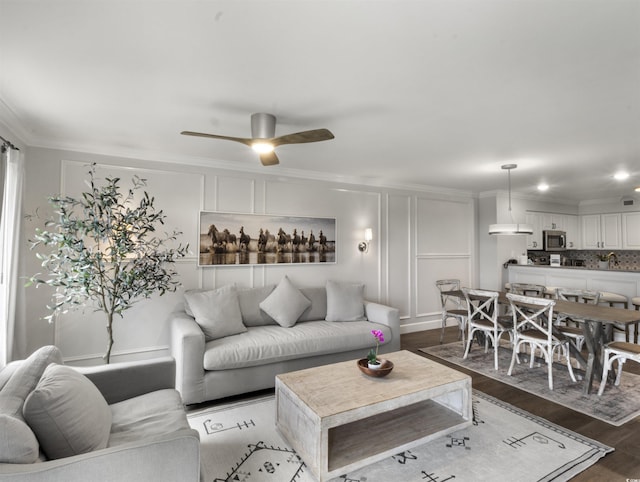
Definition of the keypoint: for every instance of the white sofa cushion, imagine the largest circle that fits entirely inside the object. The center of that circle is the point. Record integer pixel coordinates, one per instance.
(285, 304)
(18, 444)
(155, 413)
(67, 413)
(345, 301)
(261, 345)
(217, 311)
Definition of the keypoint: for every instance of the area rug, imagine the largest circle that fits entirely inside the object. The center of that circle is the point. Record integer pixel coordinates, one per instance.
(240, 443)
(616, 406)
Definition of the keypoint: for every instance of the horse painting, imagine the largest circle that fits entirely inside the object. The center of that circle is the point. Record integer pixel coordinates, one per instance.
(218, 239)
(245, 239)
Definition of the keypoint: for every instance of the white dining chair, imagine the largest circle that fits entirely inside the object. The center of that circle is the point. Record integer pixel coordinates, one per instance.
(533, 322)
(452, 306)
(483, 317)
(619, 351)
(576, 332)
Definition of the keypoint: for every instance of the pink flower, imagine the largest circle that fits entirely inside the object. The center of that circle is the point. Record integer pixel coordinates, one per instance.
(373, 353)
(379, 336)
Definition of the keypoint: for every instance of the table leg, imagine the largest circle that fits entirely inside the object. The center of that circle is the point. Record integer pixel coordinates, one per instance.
(593, 338)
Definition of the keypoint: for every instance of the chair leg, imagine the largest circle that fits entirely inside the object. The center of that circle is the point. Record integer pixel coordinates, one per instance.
(605, 372)
(444, 324)
(469, 341)
(565, 349)
(514, 355)
(619, 371)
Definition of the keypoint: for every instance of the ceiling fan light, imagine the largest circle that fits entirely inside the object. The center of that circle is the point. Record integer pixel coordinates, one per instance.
(262, 147)
(510, 229)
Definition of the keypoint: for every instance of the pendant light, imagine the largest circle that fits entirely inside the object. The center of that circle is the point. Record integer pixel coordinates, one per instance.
(513, 228)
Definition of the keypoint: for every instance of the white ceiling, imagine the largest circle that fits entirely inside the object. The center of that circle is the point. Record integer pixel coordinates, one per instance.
(435, 92)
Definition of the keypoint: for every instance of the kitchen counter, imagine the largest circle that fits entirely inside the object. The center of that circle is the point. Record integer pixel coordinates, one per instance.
(624, 282)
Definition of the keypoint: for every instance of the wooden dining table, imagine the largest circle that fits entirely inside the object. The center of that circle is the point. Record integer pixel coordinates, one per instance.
(597, 326)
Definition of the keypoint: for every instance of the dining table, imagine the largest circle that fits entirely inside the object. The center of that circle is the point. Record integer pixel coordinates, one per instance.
(597, 323)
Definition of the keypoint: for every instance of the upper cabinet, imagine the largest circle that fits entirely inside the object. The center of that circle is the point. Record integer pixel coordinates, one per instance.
(534, 241)
(552, 221)
(630, 230)
(572, 227)
(601, 231)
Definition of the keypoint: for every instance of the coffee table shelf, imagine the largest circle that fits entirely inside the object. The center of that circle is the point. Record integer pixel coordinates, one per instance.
(338, 419)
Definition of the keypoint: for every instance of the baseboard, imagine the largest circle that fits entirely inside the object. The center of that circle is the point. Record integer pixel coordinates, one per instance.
(419, 326)
(143, 353)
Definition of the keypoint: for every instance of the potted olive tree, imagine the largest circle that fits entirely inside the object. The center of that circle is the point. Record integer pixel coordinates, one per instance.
(104, 247)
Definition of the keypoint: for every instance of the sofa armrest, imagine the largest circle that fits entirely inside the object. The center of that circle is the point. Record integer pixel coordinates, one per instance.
(385, 315)
(168, 457)
(124, 380)
(187, 347)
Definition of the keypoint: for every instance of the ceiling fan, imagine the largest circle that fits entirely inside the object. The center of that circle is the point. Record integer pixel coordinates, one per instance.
(263, 140)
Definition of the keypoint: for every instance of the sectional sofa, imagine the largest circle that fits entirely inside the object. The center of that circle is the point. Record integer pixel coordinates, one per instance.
(234, 340)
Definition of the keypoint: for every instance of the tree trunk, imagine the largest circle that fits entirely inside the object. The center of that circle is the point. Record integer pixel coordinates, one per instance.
(107, 355)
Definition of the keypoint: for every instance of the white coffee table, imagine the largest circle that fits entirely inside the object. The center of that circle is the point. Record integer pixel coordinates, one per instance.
(338, 419)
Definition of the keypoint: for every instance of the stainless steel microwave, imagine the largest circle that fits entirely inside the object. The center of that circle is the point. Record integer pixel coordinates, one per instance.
(554, 240)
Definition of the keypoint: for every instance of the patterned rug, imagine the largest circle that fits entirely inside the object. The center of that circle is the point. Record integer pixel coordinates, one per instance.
(240, 443)
(616, 406)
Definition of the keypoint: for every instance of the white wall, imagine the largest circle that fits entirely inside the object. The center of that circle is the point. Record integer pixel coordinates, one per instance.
(418, 238)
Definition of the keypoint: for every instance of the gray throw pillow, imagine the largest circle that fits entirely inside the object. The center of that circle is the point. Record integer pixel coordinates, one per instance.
(250, 299)
(345, 301)
(18, 444)
(217, 312)
(67, 413)
(285, 304)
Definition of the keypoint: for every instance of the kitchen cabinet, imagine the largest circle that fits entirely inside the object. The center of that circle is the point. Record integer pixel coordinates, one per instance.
(601, 231)
(534, 241)
(571, 226)
(631, 231)
(552, 221)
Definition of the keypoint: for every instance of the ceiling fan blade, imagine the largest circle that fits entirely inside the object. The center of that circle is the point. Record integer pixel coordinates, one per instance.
(303, 137)
(242, 140)
(269, 159)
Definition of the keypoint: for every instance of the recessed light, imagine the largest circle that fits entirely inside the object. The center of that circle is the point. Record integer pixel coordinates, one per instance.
(543, 186)
(621, 175)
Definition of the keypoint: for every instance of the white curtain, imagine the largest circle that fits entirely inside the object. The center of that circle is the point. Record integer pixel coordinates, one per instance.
(13, 164)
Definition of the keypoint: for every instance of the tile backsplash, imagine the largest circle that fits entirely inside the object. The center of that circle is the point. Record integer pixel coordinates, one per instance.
(627, 260)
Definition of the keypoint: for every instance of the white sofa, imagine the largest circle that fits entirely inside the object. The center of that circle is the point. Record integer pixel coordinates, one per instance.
(334, 324)
(120, 422)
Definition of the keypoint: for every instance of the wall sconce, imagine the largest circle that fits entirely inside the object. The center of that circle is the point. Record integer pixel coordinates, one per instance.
(364, 245)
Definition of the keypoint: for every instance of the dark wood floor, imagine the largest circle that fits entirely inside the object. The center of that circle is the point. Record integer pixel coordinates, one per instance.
(621, 465)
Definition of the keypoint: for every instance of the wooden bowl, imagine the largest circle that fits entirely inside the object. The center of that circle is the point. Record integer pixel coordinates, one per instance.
(383, 371)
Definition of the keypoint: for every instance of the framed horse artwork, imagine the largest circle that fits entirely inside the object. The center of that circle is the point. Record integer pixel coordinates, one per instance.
(234, 239)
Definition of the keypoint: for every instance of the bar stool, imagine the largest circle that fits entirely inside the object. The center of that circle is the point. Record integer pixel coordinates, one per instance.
(614, 298)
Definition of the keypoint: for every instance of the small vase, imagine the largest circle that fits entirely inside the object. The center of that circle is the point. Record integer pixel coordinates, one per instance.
(374, 366)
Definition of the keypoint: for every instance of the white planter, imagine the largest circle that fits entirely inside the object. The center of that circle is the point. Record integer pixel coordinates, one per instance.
(374, 366)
